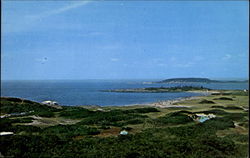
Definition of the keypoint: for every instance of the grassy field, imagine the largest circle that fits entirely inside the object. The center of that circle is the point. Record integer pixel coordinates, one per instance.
(152, 132)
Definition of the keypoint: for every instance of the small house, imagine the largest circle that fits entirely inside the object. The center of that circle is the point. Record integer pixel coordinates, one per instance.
(123, 132)
(6, 133)
(49, 102)
(203, 117)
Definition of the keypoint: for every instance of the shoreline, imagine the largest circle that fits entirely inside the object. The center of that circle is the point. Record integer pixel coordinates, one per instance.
(163, 103)
(156, 104)
(159, 104)
(170, 103)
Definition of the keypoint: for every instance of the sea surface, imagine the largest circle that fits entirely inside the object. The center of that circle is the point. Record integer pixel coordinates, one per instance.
(88, 92)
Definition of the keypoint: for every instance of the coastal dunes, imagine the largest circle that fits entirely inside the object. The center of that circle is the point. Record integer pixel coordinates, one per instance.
(153, 131)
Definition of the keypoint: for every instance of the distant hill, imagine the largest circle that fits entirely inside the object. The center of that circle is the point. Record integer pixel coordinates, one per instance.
(203, 80)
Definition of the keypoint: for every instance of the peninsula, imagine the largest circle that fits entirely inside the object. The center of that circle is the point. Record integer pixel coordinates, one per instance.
(159, 89)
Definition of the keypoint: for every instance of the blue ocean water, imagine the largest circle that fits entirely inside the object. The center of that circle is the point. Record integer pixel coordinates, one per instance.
(88, 92)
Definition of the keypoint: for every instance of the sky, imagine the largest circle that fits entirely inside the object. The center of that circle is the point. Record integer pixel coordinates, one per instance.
(46, 40)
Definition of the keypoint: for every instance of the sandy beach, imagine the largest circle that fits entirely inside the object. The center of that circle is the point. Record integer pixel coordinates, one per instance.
(172, 103)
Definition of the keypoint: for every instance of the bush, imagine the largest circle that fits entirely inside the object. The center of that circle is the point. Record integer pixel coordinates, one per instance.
(174, 119)
(11, 99)
(204, 101)
(238, 137)
(218, 123)
(233, 108)
(111, 118)
(76, 112)
(236, 116)
(24, 120)
(244, 124)
(223, 98)
(45, 114)
(16, 105)
(214, 111)
(240, 93)
(185, 141)
(127, 128)
(23, 128)
(134, 121)
(142, 110)
(228, 107)
(70, 130)
(6, 123)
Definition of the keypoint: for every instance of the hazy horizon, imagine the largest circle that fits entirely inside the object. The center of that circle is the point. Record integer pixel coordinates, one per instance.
(79, 40)
(120, 79)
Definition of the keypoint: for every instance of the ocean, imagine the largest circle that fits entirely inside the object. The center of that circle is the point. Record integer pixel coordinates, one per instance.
(88, 92)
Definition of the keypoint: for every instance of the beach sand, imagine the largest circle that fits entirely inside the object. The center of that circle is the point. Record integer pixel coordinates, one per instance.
(172, 103)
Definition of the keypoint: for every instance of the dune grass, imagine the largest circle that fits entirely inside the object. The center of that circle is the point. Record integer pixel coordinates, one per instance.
(153, 132)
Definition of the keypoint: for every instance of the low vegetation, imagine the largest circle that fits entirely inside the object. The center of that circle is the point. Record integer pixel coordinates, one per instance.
(227, 107)
(16, 106)
(204, 101)
(153, 132)
(223, 98)
(173, 119)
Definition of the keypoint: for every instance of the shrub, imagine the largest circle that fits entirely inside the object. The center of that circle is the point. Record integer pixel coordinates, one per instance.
(127, 128)
(134, 121)
(76, 112)
(238, 137)
(228, 107)
(214, 111)
(233, 108)
(142, 110)
(6, 123)
(236, 116)
(45, 114)
(23, 120)
(16, 105)
(173, 119)
(111, 118)
(23, 128)
(244, 124)
(204, 101)
(218, 123)
(223, 98)
(240, 93)
(70, 130)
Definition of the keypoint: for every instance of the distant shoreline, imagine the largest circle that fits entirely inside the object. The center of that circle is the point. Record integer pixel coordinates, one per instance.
(170, 103)
(161, 89)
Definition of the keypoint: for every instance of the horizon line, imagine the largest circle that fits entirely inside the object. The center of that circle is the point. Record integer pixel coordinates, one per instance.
(217, 78)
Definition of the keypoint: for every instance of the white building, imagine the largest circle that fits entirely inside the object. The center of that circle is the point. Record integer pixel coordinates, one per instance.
(6, 133)
(123, 132)
(49, 102)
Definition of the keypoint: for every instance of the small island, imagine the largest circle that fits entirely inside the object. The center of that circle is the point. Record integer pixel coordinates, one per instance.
(159, 89)
(198, 80)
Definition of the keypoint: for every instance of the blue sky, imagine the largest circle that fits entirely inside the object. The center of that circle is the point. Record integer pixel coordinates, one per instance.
(124, 40)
